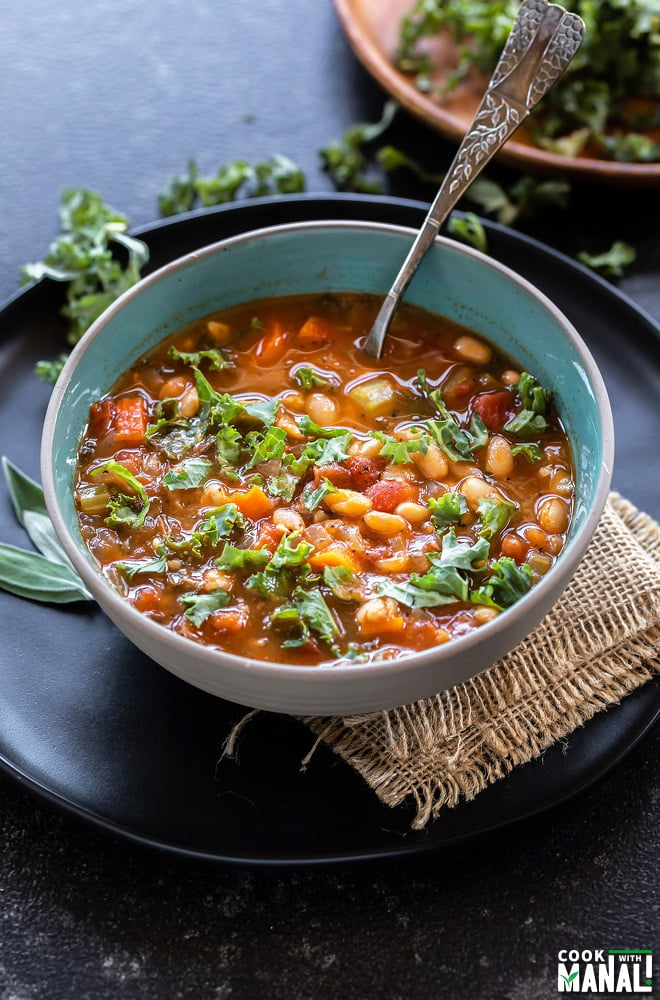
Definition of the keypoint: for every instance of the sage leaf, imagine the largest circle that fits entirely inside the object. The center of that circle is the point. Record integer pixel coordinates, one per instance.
(42, 535)
(29, 574)
(24, 492)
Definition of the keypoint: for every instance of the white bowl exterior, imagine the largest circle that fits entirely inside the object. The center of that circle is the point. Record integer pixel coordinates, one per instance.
(453, 280)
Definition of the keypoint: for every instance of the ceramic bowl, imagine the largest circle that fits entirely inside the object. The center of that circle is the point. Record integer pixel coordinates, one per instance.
(453, 280)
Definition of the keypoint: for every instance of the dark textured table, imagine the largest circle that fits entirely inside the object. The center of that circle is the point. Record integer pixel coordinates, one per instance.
(116, 97)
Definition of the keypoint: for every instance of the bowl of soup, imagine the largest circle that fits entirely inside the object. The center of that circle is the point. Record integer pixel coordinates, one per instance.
(286, 522)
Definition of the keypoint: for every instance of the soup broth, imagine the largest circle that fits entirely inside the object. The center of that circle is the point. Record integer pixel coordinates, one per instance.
(259, 484)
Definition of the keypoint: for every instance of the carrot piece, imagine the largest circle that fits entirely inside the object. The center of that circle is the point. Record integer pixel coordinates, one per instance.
(384, 626)
(334, 556)
(315, 331)
(130, 420)
(229, 619)
(271, 347)
(253, 502)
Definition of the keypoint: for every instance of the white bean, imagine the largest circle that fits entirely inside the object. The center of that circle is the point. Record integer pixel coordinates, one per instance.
(415, 513)
(552, 514)
(475, 489)
(348, 502)
(385, 524)
(322, 409)
(499, 457)
(472, 350)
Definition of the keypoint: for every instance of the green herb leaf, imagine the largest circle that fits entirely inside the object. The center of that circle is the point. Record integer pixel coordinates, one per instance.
(191, 474)
(268, 446)
(446, 583)
(199, 607)
(532, 394)
(495, 515)
(149, 564)
(291, 551)
(307, 426)
(450, 438)
(217, 360)
(320, 452)
(28, 574)
(25, 493)
(288, 560)
(310, 613)
(531, 450)
(460, 554)
(264, 410)
(613, 262)
(410, 595)
(228, 442)
(344, 583)
(307, 378)
(478, 432)
(127, 510)
(535, 401)
(526, 423)
(399, 452)
(218, 524)
(215, 407)
(312, 498)
(50, 371)
(507, 583)
(469, 229)
(345, 159)
(41, 533)
(447, 509)
(277, 175)
(232, 558)
(83, 257)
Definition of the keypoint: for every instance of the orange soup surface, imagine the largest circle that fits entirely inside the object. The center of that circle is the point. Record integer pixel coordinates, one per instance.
(259, 484)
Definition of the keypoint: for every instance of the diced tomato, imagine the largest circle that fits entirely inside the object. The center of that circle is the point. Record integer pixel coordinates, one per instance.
(268, 535)
(272, 345)
(460, 392)
(515, 547)
(494, 408)
(129, 421)
(387, 494)
(364, 471)
(336, 474)
(131, 460)
(424, 634)
(146, 599)
(100, 418)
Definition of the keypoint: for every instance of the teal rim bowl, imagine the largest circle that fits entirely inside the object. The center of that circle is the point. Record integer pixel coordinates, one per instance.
(453, 280)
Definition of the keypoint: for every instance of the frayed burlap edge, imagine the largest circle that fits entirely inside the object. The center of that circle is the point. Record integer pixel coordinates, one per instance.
(449, 748)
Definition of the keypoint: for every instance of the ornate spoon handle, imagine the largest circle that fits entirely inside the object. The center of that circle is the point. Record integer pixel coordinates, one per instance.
(543, 40)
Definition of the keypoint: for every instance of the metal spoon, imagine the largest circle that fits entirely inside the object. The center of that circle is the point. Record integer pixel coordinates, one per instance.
(543, 40)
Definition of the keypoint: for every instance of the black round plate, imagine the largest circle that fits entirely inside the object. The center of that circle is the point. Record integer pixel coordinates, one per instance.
(89, 723)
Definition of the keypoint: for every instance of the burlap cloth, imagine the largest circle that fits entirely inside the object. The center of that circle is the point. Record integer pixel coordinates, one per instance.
(600, 642)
